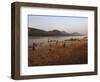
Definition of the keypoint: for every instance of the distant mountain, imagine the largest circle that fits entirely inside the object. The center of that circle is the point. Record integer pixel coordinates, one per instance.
(63, 32)
(36, 32)
(54, 32)
(39, 32)
(76, 34)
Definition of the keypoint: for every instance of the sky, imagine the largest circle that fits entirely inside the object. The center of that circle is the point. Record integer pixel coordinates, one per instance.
(62, 23)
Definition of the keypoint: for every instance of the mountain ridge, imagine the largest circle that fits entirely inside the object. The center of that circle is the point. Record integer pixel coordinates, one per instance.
(39, 32)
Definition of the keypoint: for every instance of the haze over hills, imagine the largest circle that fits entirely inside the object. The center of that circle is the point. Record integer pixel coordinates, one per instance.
(39, 32)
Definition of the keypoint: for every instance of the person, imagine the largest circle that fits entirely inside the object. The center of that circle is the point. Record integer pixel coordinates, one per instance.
(64, 44)
(33, 47)
(56, 42)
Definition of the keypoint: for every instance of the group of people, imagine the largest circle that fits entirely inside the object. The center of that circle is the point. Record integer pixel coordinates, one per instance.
(50, 42)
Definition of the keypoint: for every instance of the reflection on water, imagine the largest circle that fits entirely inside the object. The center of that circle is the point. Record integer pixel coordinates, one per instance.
(44, 40)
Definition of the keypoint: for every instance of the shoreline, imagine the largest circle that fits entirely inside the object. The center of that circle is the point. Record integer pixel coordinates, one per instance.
(45, 40)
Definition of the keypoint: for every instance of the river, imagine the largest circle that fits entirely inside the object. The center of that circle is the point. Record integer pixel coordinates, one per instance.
(44, 40)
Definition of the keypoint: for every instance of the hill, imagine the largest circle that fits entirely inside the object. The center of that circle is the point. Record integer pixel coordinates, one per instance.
(39, 32)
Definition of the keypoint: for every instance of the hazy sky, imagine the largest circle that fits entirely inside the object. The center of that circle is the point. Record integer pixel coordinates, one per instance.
(62, 23)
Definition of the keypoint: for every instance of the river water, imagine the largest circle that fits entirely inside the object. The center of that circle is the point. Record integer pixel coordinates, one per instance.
(44, 40)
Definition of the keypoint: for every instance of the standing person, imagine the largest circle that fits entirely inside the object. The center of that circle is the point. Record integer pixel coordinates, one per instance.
(64, 44)
(56, 42)
(33, 47)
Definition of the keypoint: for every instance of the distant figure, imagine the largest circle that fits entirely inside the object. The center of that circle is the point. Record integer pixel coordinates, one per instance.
(56, 42)
(50, 49)
(48, 41)
(64, 44)
(33, 47)
(50, 46)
